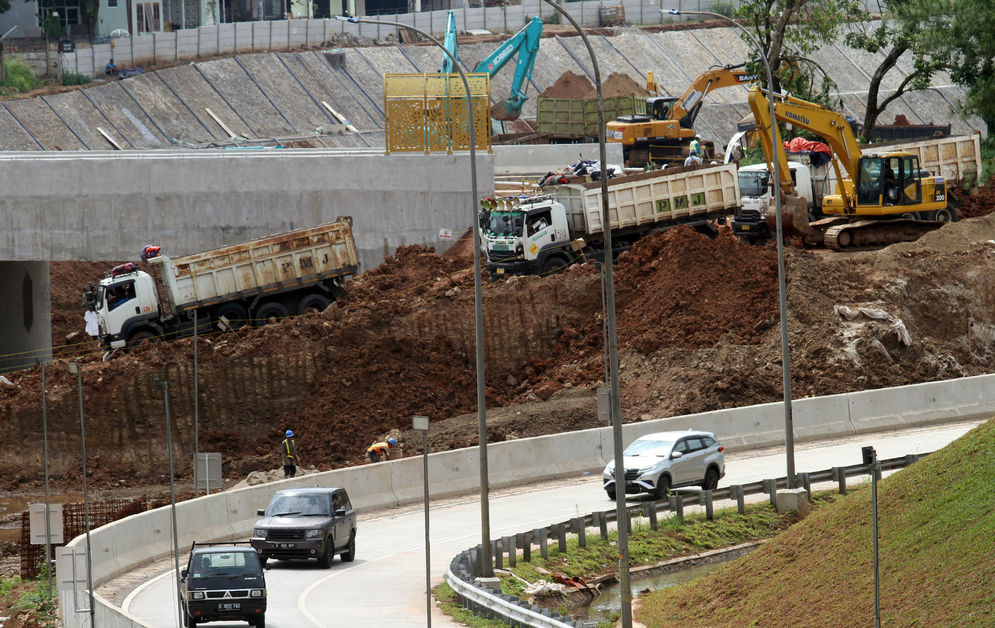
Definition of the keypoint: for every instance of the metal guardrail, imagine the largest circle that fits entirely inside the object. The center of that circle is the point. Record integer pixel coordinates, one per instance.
(464, 569)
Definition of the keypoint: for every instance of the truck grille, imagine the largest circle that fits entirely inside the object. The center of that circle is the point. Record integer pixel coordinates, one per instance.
(285, 535)
(500, 256)
(749, 215)
(218, 595)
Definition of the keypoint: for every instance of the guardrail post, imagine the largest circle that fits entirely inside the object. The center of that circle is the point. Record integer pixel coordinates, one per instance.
(806, 484)
(561, 537)
(524, 540)
(650, 511)
(475, 561)
(509, 544)
(910, 459)
(771, 489)
(496, 550)
(677, 506)
(740, 497)
(839, 474)
(709, 509)
(600, 521)
(540, 535)
(580, 529)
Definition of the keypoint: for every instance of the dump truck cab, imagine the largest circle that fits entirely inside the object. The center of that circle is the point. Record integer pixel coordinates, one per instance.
(127, 306)
(524, 235)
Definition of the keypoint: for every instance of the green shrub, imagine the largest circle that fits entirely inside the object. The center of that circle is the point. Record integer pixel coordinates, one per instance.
(71, 78)
(20, 77)
(723, 8)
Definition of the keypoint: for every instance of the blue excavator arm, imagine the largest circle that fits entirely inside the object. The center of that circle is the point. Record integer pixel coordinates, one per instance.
(450, 45)
(526, 44)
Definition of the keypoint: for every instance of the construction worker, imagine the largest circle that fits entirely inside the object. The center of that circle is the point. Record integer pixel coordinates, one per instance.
(378, 451)
(288, 448)
(694, 148)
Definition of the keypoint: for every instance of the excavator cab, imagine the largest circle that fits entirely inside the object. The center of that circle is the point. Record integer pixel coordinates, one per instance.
(659, 108)
(889, 181)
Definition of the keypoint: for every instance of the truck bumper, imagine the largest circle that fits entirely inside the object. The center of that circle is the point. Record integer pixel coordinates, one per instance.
(226, 609)
(498, 270)
(750, 229)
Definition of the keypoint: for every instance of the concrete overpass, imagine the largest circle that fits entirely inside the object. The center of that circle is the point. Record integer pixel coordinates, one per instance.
(95, 205)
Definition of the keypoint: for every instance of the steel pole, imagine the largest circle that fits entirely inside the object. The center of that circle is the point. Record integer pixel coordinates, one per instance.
(196, 415)
(428, 559)
(487, 561)
(164, 385)
(875, 469)
(48, 524)
(86, 494)
(614, 397)
(789, 430)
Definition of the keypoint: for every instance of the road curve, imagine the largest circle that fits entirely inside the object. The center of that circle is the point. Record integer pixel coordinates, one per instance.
(386, 583)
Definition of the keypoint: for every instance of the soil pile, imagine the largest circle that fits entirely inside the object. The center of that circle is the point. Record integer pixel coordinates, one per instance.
(570, 85)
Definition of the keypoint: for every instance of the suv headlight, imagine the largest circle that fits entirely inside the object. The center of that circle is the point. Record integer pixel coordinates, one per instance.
(197, 595)
(609, 470)
(313, 534)
(259, 533)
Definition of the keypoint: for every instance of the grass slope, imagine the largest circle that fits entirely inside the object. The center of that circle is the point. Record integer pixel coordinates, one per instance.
(937, 550)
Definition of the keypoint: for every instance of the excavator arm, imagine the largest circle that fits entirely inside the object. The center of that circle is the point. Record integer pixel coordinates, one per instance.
(525, 43)
(450, 44)
(689, 104)
(827, 124)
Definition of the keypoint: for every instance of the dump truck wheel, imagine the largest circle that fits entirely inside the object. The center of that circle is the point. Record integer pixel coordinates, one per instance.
(313, 304)
(270, 313)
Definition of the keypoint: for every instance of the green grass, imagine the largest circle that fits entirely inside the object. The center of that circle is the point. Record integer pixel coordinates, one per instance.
(31, 595)
(937, 557)
(446, 598)
(20, 77)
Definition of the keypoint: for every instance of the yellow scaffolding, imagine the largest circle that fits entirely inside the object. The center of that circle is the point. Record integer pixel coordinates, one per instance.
(428, 112)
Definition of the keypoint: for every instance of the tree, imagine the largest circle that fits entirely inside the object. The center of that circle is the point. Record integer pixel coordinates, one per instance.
(788, 30)
(961, 33)
(897, 33)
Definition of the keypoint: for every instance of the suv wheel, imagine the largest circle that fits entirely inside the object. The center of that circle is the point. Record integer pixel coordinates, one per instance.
(662, 487)
(611, 493)
(711, 479)
(258, 622)
(325, 561)
(349, 554)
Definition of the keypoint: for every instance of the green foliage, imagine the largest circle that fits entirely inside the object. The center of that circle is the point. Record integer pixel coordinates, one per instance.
(20, 77)
(552, 18)
(51, 24)
(449, 604)
(723, 7)
(71, 78)
(34, 598)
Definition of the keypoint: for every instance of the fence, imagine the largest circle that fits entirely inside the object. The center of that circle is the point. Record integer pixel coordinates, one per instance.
(465, 568)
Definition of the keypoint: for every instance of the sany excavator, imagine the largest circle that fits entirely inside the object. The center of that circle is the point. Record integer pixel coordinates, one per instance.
(524, 43)
(880, 198)
(670, 121)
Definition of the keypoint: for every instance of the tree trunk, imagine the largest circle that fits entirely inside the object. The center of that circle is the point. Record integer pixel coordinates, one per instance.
(873, 109)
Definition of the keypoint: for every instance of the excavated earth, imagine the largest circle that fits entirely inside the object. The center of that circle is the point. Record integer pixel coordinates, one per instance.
(697, 326)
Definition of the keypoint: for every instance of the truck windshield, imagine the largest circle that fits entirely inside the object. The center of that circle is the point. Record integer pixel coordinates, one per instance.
(753, 182)
(505, 223)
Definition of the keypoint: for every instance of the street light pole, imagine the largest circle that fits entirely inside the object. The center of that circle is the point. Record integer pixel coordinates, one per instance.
(76, 369)
(789, 430)
(164, 386)
(486, 558)
(420, 423)
(608, 305)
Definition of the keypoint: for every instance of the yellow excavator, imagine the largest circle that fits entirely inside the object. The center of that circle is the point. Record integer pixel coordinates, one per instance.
(880, 198)
(668, 125)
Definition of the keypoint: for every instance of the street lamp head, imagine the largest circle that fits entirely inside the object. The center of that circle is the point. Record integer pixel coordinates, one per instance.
(159, 384)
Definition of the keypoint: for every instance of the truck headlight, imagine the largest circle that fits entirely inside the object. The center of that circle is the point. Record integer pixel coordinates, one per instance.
(312, 534)
(256, 593)
(197, 595)
(259, 533)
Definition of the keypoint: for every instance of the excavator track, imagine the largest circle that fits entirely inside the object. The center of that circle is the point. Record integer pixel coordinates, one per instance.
(869, 234)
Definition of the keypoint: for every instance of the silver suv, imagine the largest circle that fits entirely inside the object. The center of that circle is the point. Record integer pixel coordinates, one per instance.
(657, 462)
(302, 523)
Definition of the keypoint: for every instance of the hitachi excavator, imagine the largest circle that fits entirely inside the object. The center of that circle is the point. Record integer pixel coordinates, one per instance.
(524, 43)
(669, 122)
(880, 198)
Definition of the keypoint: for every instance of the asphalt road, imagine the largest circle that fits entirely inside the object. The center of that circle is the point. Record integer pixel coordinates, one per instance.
(385, 586)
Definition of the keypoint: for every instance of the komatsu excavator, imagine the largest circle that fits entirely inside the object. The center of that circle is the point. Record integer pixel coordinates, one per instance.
(879, 199)
(669, 122)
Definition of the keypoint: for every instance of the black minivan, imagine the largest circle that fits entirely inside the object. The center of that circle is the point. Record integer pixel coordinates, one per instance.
(223, 582)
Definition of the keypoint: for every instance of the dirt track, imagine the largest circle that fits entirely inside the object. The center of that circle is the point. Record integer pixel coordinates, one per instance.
(697, 324)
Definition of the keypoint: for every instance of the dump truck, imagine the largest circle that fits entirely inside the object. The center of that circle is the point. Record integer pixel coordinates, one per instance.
(951, 159)
(562, 223)
(255, 282)
(568, 120)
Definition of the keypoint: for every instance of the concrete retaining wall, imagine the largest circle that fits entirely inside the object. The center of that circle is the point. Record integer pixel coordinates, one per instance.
(533, 158)
(120, 546)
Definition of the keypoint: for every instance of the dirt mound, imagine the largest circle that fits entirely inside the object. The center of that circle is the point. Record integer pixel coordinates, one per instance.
(570, 85)
(618, 84)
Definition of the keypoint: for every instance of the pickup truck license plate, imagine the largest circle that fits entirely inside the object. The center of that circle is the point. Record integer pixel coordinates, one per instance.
(230, 606)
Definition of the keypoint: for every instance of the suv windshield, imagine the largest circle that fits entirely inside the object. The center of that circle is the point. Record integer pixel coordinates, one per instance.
(287, 505)
(649, 447)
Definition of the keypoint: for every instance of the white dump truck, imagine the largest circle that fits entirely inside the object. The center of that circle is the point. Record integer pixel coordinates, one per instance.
(541, 233)
(255, 282)
(953, 159)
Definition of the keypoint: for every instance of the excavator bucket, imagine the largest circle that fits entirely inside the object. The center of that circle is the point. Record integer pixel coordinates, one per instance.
(794, 219)
(506, 110)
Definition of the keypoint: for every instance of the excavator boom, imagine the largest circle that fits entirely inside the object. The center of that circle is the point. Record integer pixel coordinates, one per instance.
(524, 43)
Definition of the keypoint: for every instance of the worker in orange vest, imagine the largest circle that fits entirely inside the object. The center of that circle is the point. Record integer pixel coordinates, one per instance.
(378, 451)
(290, 459)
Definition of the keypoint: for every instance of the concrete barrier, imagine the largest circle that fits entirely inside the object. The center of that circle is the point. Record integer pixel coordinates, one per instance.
(532, 158)
(137, 540)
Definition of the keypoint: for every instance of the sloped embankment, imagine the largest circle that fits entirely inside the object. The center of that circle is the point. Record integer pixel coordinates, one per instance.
(937, 553)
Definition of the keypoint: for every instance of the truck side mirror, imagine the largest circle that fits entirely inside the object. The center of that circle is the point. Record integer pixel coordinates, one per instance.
(183, 573)
(260, 512)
